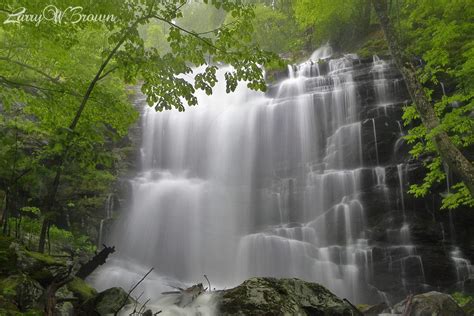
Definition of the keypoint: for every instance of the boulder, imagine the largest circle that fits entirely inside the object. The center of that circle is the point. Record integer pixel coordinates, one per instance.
(431, 303)
(106, 302)
(271, 296)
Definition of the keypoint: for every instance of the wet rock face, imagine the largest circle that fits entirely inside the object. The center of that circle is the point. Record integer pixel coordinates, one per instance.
(271, 296)
(431, 303)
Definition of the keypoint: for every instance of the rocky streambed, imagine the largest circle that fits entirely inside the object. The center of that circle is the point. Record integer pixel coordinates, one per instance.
(26, 276)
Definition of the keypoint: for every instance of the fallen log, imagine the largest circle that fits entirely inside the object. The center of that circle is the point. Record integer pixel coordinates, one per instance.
(99, 259)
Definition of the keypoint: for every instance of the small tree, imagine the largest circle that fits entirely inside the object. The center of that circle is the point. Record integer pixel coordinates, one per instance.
(446, 132)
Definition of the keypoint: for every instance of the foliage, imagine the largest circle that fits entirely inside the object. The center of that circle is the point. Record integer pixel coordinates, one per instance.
(275, 30)
(60, 239)
(461, 298)
(374, 45)
(336, 21)
(446, 72)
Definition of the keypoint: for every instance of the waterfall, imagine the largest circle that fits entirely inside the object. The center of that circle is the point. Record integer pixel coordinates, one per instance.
(375, 142)
(109, 209)
(401, 187)
(291, 71)
(248, 184)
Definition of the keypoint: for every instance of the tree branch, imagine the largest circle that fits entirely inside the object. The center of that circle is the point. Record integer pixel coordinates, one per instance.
(108, 72)
(31, 68)
(130, 292)
(216, 29)
(194, 34)
(27, 85)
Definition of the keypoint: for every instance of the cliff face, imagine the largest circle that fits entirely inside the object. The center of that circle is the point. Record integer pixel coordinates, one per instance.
(414, 245)
(442, 240)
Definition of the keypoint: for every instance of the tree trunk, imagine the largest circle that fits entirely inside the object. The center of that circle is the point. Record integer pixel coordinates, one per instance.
(50, 299)
(5, 212)
(450, 154)
(54, 188)
(49, 204)
(49, 294)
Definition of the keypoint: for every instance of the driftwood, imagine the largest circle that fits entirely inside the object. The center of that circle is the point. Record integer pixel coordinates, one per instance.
(188, 295)
(407, 309)
(99, 259)
(208, 282)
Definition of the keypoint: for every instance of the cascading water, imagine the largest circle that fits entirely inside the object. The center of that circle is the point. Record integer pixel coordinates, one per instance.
(109, 209)
(251, 185)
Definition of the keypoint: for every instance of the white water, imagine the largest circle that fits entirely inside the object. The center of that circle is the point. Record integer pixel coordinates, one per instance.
(109, 209)
(245, 185)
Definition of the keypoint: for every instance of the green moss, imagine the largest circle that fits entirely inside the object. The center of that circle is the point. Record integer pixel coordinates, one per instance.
(45, 259)
(462, 298)
(362, 306)
(8, 259)
(81, 289)
(9, 285)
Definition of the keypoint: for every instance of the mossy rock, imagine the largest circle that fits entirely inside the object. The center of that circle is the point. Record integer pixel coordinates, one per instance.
(45, 259)
(372, 310)
(271, 296)
(38, 266)
(431, 303)
(21, 290)
(81, 289)
(106, 302)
